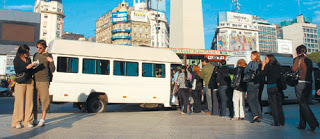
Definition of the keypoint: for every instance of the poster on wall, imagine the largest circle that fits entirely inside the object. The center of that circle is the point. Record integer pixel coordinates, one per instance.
(139, 16)
(240, 42)
(119, 17)
(284, 46)
(222, 42)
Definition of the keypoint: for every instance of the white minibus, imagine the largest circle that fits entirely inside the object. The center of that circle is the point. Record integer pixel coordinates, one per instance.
(92, 75)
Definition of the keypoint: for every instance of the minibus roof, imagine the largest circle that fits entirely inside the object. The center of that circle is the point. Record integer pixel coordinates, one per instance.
(102, 50)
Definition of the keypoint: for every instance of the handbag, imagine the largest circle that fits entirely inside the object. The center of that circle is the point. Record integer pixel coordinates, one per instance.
(191, 100)
(188, 84)
(291, 78)
(174, 100)
(249, 76)
(21, 77)
(194, 84)
(236, 79)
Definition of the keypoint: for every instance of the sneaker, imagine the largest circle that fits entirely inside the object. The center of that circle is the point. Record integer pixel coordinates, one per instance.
(18, 126)
(41, 123)
(30, 125)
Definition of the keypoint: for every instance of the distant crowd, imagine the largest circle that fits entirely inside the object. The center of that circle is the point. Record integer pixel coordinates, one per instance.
(224, 88)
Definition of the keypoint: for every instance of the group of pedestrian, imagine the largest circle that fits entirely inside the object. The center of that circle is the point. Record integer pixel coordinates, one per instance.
(225, 88)
(32, 84)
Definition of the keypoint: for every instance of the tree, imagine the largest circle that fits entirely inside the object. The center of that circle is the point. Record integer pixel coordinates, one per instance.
(315, 57)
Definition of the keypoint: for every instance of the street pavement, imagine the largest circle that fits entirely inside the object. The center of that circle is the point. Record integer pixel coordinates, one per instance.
(131, 121)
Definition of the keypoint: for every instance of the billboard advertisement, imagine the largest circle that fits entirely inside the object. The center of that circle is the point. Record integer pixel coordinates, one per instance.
(239, 18)
(222, 42)
(119, 17)
(152, 4)
(284, 46)
(139, 16)
(241, 42)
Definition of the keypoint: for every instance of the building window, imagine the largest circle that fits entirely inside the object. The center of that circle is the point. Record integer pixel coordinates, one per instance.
(67, 64)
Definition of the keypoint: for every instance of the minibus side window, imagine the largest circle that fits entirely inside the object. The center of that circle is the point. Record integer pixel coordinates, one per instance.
(92, 66)
(153, 70)
(126, 68)
(68, 64)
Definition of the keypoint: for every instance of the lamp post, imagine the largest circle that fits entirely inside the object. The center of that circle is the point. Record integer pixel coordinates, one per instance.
(157, 24)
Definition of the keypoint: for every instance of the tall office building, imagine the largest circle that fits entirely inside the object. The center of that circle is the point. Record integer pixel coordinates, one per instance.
(267, 35)
(236, 32)
(186, 24)
(301, 31)
(125, 25)
(52, 15)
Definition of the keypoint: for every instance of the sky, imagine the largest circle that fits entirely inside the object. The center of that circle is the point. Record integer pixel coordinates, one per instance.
(81, 15)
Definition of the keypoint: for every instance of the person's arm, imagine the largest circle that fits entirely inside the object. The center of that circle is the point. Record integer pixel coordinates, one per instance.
(203, 73)
(265, 69)
(295, 64)
(51, 63)
(248, 67)
(19, 66)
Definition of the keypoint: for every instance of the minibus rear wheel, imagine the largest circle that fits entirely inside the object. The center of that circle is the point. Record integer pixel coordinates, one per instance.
(96, 104)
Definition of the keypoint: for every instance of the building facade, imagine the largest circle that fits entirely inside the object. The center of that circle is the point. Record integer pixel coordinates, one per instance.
(236, 32)
(186, 24)
(125, 25)
(52, 15)
(301, 31)
(267, 35)
(16, 28)
(71, 36)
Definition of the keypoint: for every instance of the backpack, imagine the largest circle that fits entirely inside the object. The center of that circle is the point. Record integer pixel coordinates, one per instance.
(212, 82)
(282, 84)
(236, 79)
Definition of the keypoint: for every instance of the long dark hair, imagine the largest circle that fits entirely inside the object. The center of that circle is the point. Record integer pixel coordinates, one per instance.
(185, 72)
(23, 49)
(272, 59)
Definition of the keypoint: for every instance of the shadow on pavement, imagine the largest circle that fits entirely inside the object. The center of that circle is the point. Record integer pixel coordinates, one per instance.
(58, 122)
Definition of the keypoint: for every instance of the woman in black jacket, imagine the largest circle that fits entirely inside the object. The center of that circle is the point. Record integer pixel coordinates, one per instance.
(272, 70)
(196, 92)
(23, 99)
(240, 88)
(253, 86)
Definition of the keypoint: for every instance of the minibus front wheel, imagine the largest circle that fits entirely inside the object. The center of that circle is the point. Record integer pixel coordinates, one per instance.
(96, 104)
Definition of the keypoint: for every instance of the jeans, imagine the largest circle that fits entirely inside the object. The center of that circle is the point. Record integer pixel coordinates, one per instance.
(185, 97)
(215, 105)
(253, 101)
(224, 99)
(275, 101)
(209, 98)
(238, 103)
(303, 90)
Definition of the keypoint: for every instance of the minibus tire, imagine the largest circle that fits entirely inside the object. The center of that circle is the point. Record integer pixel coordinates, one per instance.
(96, 105)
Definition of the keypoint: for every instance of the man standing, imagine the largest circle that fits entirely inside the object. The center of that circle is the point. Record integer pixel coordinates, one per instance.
(43, 77)
(224, 81)
(205, 74)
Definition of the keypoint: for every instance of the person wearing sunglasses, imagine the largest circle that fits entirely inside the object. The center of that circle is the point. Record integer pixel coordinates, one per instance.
(42, 77)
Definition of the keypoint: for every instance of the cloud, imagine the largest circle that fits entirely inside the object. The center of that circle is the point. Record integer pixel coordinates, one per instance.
(312, 4)
(20, 7)
(317, 17)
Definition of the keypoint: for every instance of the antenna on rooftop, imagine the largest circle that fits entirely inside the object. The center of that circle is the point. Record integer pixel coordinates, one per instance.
(299, 7)
(237, 4)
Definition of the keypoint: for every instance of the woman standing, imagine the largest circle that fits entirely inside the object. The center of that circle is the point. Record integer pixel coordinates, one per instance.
(240, 88)
(184, 90)
(272, 70)
(304, 88)
(196, 93)
(253, 86)
(23, 100)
